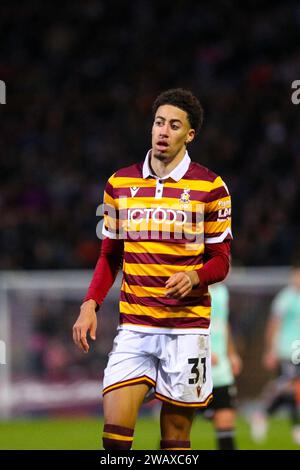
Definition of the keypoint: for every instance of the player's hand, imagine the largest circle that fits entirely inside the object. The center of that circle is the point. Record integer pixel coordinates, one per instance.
(86, 322)
(236, 364)
(214, 359)
(179, 285)
(270, 361)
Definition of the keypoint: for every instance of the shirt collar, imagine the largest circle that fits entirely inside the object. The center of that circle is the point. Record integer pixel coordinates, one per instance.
(176, 174)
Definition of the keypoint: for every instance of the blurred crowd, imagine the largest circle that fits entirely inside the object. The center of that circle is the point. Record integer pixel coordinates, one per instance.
(81, 77)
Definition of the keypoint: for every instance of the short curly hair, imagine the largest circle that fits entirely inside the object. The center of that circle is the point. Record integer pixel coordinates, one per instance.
(185, 100)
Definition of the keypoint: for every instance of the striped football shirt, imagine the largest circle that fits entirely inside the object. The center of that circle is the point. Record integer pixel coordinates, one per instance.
(165, 224)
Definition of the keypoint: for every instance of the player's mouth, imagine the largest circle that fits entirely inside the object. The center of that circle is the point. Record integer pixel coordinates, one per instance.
(162, 145)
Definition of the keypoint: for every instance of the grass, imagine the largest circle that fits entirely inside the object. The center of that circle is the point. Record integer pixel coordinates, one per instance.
(85, 434)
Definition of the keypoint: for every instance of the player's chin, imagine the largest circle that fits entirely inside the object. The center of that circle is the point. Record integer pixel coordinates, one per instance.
(161, 154)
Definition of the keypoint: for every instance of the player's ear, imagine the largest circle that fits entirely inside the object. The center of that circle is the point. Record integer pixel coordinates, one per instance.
(190, 136)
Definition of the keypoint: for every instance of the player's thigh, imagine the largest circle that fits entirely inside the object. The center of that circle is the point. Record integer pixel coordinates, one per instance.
(121, 406)
(184, 371)
(176, 422)
(131, 361)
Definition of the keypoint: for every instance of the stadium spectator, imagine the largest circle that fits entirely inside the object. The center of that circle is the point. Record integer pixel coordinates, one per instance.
(67, 86)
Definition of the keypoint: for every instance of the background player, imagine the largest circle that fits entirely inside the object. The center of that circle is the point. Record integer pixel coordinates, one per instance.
(281, 339)
(226, 364)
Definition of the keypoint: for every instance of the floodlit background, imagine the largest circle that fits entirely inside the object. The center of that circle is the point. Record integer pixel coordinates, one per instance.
(80, 79)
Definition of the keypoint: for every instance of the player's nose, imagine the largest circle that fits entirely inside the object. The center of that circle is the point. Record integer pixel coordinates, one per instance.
(164, 131)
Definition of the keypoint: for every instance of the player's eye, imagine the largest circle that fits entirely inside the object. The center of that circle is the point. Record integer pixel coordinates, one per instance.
(159, 123)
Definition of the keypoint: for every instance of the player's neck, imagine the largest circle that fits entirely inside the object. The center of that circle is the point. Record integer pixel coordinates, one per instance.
(162, 168)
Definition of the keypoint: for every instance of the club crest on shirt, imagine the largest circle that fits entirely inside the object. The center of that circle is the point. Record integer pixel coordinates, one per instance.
(185, 197)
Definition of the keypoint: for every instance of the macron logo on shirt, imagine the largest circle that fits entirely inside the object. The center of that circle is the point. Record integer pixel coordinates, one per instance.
(133, 190)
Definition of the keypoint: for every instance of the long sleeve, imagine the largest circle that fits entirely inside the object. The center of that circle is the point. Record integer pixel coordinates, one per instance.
(216, 263)
(107, 267)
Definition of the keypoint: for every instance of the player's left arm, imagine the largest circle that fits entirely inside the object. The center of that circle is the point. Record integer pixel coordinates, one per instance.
(217, 239)
(215, 269)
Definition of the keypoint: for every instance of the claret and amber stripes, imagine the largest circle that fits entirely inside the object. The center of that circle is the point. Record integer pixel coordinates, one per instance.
(117, 437)
(174, 445)
(139, 380)
(154, 324)
(179, 403)
(163, 235)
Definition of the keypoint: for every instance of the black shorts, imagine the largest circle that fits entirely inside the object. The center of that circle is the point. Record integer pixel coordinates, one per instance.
(223, 397)
(289, 371)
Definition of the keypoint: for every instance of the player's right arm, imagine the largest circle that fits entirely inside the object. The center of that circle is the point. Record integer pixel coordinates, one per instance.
(86, 322)
(104, 276)
(105, 273)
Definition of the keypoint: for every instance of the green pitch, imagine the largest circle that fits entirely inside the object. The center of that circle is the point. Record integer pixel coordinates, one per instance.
(79, 433)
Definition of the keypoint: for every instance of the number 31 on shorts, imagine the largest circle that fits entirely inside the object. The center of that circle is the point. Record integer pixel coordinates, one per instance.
(198, 370)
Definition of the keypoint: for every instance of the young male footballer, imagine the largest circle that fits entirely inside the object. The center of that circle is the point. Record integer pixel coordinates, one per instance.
(168, 220)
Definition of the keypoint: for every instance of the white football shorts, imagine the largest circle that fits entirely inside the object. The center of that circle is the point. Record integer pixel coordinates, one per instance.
(177, 366)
